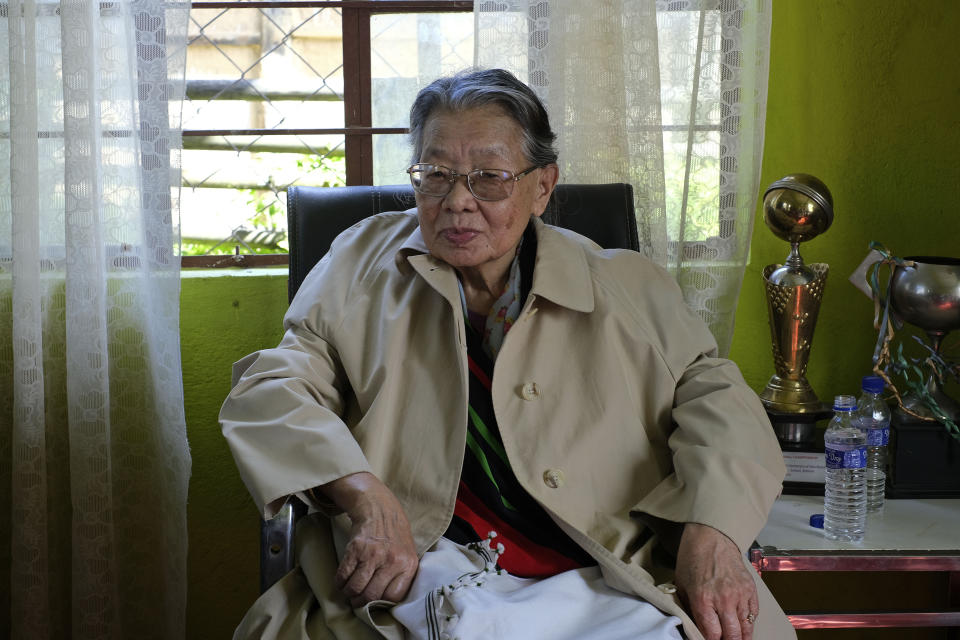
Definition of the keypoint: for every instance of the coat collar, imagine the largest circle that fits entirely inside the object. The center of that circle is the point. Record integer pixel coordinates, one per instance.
(561, 273)
(412, 246)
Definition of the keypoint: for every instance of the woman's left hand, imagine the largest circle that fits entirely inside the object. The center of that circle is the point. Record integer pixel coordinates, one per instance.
(715, 585)
(380, 558)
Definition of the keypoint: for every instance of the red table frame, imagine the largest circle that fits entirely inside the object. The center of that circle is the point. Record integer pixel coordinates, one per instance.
(767, 558)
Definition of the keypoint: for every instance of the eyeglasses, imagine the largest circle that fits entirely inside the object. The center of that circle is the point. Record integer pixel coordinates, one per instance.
(485, 184)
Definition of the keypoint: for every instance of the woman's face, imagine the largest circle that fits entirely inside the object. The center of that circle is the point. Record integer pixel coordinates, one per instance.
(459, 229)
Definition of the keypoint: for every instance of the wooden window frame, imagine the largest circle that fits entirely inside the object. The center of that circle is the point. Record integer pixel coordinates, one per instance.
(358, 130)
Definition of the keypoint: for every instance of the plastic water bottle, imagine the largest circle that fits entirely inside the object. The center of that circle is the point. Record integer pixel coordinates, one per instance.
(873, 418)
(845, 492)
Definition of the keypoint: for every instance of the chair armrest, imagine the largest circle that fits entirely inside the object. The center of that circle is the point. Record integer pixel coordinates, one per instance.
(276, 542)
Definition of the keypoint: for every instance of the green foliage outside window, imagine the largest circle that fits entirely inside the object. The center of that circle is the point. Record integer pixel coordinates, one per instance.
(264, 231)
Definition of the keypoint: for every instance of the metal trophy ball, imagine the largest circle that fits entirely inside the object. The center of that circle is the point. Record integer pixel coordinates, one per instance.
(797, 208)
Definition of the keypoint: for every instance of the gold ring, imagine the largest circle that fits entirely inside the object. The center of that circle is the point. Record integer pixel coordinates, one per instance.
(751, 618)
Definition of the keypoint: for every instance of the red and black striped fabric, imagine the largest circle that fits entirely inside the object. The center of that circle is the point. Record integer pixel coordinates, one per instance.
(490, 497)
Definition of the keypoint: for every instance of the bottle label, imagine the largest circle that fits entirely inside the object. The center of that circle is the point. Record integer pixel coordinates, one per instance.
(878, 437)
(855, 458)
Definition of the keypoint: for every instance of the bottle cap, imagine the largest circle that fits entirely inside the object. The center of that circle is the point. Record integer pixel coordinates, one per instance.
(844, 403)
(872, 384)
(816, 521)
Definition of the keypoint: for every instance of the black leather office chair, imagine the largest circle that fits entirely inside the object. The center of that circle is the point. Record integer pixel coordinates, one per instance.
(316, 215)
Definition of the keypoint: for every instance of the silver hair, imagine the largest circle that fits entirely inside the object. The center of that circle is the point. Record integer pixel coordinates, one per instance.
(471, 89)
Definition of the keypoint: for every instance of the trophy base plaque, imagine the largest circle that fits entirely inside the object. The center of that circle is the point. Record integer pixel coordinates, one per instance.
(924, 459)
(801, 442)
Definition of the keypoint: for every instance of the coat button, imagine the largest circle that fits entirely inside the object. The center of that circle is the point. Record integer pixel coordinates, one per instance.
(529, 391)
(553, 478)
(667, 587)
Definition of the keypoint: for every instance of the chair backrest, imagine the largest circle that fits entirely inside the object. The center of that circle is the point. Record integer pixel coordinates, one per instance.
(316, 215)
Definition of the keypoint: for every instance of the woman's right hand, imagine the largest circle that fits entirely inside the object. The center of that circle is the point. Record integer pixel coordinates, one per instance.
(380, 559)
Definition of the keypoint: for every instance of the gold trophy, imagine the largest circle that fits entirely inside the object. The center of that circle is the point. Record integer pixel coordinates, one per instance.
(796, 208)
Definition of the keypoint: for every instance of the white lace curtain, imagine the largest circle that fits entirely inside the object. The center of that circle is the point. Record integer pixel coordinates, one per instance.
(668, 95)
(93, 456)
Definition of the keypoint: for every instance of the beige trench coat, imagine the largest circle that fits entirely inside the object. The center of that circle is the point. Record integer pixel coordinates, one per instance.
(614, 410)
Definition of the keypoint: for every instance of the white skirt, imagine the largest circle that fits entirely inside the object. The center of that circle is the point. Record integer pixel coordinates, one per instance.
(458, 594)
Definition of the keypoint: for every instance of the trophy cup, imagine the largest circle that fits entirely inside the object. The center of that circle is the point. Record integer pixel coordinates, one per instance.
(796, 208)
(925, 459)
(927, 295)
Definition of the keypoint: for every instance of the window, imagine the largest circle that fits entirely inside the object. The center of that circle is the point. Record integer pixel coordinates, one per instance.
(307, 92)
(316, 92)
(691, 116)
(703, 120)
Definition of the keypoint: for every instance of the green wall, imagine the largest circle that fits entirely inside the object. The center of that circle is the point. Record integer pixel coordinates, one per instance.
(864, 94)
(223, 317)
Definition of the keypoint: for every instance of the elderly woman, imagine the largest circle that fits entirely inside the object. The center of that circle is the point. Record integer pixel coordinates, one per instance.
(461, 368)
